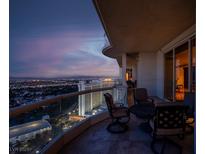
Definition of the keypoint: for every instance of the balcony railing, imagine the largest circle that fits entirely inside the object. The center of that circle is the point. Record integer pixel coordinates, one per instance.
(35, 127)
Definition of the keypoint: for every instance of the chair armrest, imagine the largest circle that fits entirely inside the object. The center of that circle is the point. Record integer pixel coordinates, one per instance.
(125, 109)
(151, 100)
(119, 104)
(133, 88)
(120, 108)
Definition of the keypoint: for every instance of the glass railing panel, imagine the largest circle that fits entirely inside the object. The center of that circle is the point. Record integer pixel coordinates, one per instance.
(44, 124)
(31, 131)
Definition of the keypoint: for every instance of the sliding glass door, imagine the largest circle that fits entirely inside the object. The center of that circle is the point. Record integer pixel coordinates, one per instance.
(180, 72)
(168, 75)
(193, 59)
(181, 67)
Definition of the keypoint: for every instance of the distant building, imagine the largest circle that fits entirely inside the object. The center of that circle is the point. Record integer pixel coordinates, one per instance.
(90, 101)
(28, 130)
(76, 118)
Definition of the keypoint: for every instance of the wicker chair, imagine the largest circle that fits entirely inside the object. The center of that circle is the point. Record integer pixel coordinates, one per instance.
(169, 120)
(120, 115)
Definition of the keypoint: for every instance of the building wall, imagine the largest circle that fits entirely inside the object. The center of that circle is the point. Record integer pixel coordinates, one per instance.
(160, 75)
(147, 71)
(150, 65)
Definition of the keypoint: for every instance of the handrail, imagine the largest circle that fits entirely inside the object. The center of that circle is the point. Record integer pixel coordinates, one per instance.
(22, 109)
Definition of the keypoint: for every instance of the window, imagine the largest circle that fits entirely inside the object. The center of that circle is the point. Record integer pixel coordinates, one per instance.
(180, 73)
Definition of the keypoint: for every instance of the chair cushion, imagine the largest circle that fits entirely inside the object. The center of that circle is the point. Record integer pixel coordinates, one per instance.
(142, 111)
(163, 131)
(119, 112)
(141, 94)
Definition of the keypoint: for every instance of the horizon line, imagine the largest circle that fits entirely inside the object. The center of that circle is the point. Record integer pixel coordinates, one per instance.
(75, 76)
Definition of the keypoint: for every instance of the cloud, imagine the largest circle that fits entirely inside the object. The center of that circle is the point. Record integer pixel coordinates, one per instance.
(65, 53)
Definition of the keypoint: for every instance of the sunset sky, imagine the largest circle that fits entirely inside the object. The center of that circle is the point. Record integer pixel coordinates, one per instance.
(57, 38)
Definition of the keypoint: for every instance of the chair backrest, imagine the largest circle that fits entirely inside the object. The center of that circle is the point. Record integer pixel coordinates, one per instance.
(109, 102)
(131, 84)
(190, 101)
(141, 94)
(170, 116)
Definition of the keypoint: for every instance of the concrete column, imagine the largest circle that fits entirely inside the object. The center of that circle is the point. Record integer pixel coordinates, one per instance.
(124, 67)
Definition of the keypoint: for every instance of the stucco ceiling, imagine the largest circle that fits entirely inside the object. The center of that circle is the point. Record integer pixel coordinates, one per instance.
(134, 26)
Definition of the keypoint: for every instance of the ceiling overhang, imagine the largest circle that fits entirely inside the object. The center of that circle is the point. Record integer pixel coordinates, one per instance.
(134, 26)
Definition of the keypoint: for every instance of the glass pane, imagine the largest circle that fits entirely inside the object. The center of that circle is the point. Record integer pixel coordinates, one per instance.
(181, 71)
(128, 74)
(168, 76)
(193, 65)
(31, 131)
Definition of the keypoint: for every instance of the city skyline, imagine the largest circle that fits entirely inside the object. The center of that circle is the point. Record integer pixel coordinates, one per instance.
(61, 39)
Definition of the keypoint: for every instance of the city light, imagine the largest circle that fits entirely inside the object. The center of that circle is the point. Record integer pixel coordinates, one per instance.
(107, 80)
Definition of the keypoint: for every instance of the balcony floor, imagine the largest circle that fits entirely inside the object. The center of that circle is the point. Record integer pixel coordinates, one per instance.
(97, 140)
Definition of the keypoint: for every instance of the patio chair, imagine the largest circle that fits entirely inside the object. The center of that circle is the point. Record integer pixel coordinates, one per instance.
(141, 97)
(119, 114)
(144, 108)
(169, 120)
(131, 84)
(189, 102)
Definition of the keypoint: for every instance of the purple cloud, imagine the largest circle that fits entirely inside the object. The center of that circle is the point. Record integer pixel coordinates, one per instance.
(65, 53)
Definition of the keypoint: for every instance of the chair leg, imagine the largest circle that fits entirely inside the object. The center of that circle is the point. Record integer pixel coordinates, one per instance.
(122, 127)
(191, 129)
(164, 145)
(175, 144)
(181, 136)
(152, 145)
(145, 126)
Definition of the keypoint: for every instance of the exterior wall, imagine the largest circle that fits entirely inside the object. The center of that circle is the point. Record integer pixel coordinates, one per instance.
(160, 74)
(147, 71)
(150, 65)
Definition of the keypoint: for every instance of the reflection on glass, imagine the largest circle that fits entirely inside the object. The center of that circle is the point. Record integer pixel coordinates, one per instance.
(168, 76)
(128, 74)
(181, 54)
(193, 65)
(181, 71)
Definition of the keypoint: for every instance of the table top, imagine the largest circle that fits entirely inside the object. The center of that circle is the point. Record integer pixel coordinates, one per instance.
(142, 111)
(146, 111)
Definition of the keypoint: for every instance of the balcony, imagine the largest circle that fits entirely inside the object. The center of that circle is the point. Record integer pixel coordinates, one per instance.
(41, 126)
(139, 40)
(74, 131)
(98, 140)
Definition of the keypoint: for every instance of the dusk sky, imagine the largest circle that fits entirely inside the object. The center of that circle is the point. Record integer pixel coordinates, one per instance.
(57, 38)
